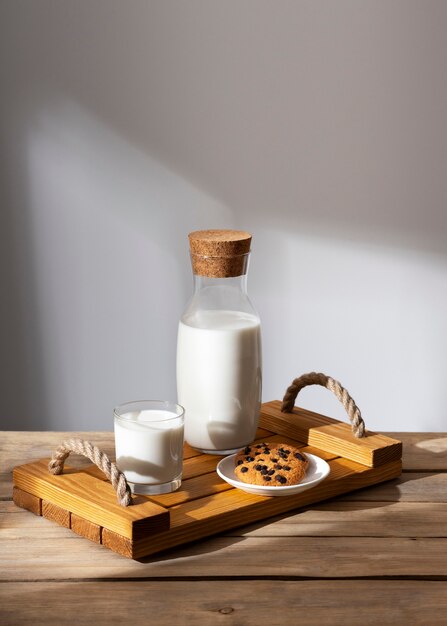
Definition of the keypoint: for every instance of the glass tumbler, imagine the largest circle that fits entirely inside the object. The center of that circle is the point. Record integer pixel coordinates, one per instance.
(149, 445)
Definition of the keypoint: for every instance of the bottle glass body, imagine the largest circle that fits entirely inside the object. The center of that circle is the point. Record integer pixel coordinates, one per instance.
(219, 365)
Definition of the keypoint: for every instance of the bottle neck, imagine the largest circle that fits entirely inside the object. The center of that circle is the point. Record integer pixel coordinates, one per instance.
(238, 283)
(216, 293)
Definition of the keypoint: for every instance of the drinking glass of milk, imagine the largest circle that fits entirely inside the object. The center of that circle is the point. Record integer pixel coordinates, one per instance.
(219, 369)
(149, 445)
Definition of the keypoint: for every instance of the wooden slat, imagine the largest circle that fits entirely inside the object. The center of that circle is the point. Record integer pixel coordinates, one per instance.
(95, 500)
(203, 506)
(197, 487)
(206, 482)
(207, 516)
(323, 454)
(199, 465)
(192, 519)
(359, 519)
(117, 543)
(56, 513)
(409, 487)
(337, 518)
(422, 452)
(309, 602)
(204, 463)
(332, 436)
(27, 501)
(237, 501)
(263, 432)
(84, 528)
(18, 448)
(329, 540)
(71, 556)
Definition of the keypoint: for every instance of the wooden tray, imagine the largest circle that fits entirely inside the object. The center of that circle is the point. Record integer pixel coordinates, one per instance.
(83, 500)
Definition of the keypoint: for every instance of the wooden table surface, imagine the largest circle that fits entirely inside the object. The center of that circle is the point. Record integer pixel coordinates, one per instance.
(377, 556)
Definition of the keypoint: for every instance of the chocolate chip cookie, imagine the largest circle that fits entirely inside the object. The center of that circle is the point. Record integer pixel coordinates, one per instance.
(271, 465)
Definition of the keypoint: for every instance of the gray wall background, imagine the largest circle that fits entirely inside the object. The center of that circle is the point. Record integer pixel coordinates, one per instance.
(319, 126)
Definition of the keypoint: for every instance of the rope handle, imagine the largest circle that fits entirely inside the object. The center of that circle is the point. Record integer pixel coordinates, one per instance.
(81, 446)
(317, 378)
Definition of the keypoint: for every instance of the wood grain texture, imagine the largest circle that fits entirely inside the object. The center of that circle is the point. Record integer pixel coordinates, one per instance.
(56, 513)
(409, 487)
(197, 487)
(84, 528)
(359, 519)
(330, 435)
(18, 448)
(337, 518)
(207, 516)
(209, 483)
(27, 501)
(424, 451)
(318, 555)
(190, 520)
(202, 507)
(119, 544)
(22, 447)
(226, 557)
(81, 493)
(308, 602)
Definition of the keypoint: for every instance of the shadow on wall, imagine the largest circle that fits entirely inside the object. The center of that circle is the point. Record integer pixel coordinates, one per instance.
(98, 273)
(329, 117)
(321, 127)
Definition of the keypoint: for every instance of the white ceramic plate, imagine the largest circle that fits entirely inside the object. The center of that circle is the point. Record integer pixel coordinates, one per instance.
(316, 472)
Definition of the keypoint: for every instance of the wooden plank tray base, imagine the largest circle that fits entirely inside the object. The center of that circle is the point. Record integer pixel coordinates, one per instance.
(83, 499)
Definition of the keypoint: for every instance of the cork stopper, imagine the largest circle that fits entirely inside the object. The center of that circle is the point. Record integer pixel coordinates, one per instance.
(219, 253)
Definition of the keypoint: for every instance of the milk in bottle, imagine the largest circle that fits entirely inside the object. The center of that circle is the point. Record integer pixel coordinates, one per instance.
(219, 346)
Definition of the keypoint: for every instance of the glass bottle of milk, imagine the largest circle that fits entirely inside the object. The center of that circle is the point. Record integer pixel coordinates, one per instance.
(219, 369)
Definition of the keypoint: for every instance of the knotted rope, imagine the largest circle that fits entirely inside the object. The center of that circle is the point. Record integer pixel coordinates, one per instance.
(80, 446)
(316, 378)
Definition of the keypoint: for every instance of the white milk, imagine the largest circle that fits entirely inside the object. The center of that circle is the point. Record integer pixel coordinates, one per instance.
(219, 378)
(149, 451)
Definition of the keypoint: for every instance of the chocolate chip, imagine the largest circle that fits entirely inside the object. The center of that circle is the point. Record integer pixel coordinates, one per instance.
(249, 458)
(244, 469)
(247, 450)
(278, 466)
(286, 468)
(240, 462)
(286, 451)
(273, 460)
(264, 471)
(258, 467)
(264, 467)
(271, 472)
(257, 453)
(260, 459)
(281, 479)
(267, 478)
(299, 456)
